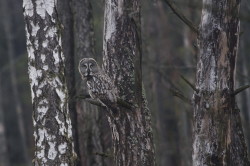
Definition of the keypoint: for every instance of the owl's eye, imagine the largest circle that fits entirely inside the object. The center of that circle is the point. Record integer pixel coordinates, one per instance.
(84, 66)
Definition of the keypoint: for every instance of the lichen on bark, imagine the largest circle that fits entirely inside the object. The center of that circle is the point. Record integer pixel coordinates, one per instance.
(130, 128)
(218, 134)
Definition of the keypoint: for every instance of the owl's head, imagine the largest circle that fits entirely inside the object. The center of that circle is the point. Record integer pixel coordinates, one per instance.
(88, 67)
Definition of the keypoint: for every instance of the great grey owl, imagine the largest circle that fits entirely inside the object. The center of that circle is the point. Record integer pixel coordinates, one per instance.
(99, 84)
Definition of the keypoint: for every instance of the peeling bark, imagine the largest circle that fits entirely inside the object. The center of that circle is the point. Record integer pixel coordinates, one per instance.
(218, 135)
(131, 129)
(52, 124)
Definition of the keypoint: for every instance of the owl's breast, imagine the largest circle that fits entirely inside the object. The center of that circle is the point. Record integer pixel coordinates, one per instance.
(88, 77)
(90, 85)
(94, 90)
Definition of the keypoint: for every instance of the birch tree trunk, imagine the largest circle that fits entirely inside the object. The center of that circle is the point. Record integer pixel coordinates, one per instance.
(52, 124)
(218, 135)
(92, 131)
(130, 128)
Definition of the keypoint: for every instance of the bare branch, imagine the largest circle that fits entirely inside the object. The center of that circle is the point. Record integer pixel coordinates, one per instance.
(103, 154)
(181, 16)
(87, 98)
(240, 89)
(124, 104)
(95, 102)
(83, 96)
(178, 94)
(190, 84)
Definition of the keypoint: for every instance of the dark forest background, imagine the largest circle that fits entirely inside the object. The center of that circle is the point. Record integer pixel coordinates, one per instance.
(169, 55)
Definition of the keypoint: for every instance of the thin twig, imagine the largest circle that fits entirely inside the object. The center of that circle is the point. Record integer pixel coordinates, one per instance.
(83, 96)
(103, 154)
(182, 17)
(95, 102)
(124, 104)
(87, 98)
(178, 94)
(120, 102)
(190, 84)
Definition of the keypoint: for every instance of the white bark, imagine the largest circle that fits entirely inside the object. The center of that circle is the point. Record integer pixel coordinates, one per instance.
(53, 130)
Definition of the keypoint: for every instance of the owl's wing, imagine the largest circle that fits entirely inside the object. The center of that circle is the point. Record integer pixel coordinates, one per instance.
(108, 91)
(103, 89)
(110, 88)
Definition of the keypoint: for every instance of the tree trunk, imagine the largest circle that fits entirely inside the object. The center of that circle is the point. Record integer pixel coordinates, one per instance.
(18, 108)
(91, 132)
(130, 128)
(46, 66)
(4, 158)
(66, 19)
(218, 135)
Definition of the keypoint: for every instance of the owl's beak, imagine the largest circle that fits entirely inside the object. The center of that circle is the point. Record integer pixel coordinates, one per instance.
(88, 72)
(88, 76)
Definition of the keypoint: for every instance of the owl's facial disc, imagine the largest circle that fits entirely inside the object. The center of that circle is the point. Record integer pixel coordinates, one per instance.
(83, 67)
(88, 68)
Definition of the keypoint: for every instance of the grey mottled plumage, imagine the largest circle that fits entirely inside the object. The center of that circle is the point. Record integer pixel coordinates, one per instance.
(100, 86)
